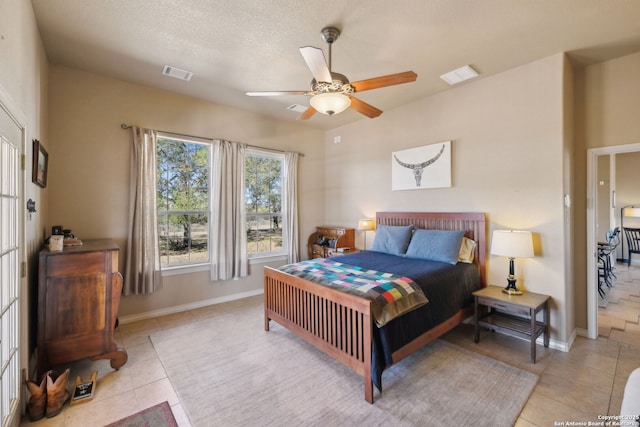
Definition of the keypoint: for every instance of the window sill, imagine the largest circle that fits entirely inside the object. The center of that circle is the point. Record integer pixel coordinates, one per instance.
(267, 258)
(188, 269)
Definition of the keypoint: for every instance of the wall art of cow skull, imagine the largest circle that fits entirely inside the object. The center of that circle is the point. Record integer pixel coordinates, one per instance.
(423, 167)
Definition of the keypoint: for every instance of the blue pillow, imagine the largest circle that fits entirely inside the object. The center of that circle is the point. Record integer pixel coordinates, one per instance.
(392, 239)
(436, 245)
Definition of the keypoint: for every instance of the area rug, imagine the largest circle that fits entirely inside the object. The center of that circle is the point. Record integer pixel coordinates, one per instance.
(157, 416)
(229, 371)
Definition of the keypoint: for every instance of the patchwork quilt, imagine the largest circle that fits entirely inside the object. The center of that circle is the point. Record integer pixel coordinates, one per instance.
(392, 295)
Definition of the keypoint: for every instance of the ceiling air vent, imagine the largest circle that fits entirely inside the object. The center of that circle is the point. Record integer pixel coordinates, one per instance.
(177, 73)
(459, 75)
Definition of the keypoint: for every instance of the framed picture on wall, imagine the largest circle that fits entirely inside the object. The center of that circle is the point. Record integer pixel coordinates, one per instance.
(423, 167)
(40, 164)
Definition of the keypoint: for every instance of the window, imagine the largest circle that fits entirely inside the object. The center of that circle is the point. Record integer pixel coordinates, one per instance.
(263, 203)
(183, 202)
(183, 171)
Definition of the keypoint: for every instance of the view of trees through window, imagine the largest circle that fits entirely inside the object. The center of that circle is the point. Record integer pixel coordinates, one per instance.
(263, 198)
(183, 201)
(183, 176)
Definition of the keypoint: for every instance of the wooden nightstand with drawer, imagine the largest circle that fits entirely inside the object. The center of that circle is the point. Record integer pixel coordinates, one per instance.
(513, 314)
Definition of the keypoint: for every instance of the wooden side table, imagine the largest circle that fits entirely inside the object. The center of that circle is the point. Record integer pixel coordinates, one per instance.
(515, 314)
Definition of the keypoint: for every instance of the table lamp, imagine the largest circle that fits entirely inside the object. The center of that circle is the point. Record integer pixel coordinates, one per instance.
(512, 244)
(366, 224)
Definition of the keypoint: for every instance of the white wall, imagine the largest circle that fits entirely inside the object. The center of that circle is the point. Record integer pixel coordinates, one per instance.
(509, 157)
(89, 167)
(23, 80)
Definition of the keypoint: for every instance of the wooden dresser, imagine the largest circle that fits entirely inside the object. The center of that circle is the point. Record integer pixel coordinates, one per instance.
(334, 238)
(78, 296)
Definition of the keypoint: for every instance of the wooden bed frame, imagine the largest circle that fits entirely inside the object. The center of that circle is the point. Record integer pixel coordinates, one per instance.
(341, 324)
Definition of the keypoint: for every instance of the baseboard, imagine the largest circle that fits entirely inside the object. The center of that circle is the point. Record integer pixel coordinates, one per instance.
(554, 344)
(582, 332)
(560, 345)
(186, 307)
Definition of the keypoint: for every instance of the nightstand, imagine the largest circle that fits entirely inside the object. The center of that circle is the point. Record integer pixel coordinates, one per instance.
(513, 314)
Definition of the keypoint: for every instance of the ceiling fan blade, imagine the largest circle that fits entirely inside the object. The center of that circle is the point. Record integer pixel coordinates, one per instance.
(364, 108)
(277, 93)
(390, 80)
(308, 113)
(314, 58)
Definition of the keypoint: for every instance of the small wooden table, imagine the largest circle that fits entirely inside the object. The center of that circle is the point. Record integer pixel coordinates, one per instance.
(515, 314)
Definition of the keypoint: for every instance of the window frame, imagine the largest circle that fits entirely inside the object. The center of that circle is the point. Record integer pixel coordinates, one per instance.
(280, 254)
(191, 266)
(258, 257)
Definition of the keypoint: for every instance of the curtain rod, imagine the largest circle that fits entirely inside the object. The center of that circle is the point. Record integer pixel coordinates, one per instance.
(126, 126)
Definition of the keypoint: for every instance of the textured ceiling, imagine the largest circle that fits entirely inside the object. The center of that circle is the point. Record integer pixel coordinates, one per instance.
(235, 46)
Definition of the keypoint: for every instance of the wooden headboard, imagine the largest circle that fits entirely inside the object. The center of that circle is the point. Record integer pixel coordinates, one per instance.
(473, 224)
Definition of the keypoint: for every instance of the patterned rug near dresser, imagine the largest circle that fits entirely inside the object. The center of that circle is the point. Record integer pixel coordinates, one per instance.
(229, 371)
(159, 415)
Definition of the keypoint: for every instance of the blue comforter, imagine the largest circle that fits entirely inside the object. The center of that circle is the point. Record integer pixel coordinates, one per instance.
(447, 287)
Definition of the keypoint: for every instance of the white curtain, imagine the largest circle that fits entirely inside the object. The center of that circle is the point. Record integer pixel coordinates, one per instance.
(290, 204)
(142, 274)
(228, 228)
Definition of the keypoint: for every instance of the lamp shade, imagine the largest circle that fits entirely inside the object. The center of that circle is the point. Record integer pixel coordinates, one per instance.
(366, 224)
(632, 212)
(330, 103)
(512, 243)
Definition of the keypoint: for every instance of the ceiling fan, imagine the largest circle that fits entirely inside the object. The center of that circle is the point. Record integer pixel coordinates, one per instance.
(332, 93)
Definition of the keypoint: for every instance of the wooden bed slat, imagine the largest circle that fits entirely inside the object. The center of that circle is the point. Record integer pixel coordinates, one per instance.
(341, 324)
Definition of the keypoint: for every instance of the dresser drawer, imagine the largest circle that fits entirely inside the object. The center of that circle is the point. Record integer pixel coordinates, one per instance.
(63, 264)
(503, 306)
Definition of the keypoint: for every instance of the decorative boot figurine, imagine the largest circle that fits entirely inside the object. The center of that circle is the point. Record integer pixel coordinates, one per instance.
(38, 400)
(57, 394)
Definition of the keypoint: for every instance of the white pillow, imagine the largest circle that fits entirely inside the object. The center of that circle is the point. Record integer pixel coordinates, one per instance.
(467, 250)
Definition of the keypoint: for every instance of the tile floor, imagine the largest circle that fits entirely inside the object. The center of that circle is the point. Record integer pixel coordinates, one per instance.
(575, 386)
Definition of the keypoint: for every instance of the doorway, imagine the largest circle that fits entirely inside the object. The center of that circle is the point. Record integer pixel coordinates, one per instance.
(11, 258)
(592, 228)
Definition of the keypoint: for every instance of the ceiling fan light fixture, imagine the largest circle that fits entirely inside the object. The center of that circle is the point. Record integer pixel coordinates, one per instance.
(331, 93)
(330, 103)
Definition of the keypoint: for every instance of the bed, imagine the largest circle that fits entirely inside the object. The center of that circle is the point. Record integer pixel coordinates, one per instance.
(346, 326)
